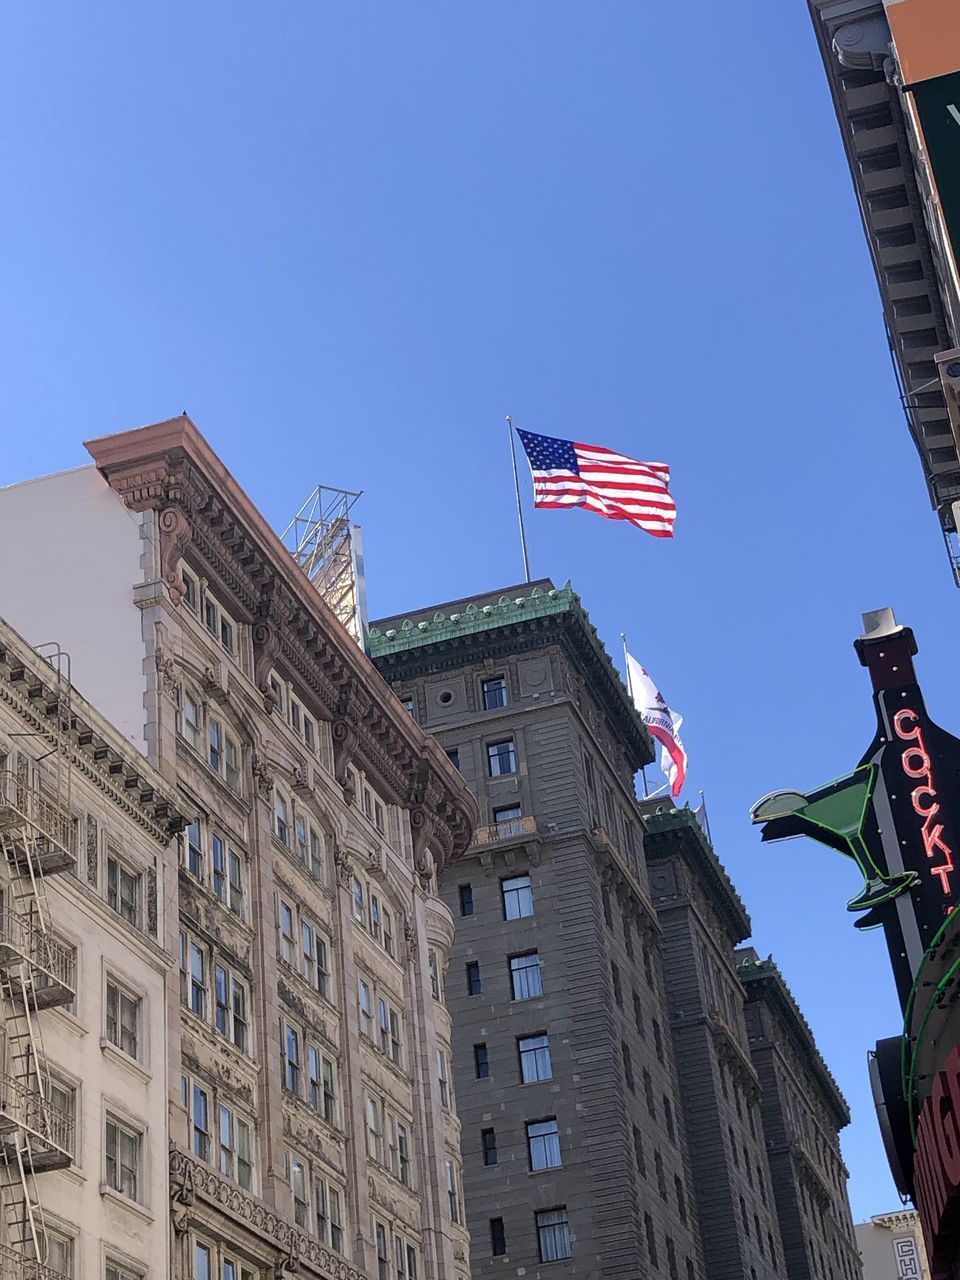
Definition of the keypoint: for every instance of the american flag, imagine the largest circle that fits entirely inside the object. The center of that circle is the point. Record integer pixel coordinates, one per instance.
(569, 474)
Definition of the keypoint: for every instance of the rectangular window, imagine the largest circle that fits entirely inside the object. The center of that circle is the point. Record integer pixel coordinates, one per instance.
(314, 1095)
(219, 855)
(383, 1025)
(298, 1185)
(117, 1271)
(309, 733)
(291, 1057)
(494, 693)
(200, 1117)
(123, 891)
(453, 755)
(359, 911)
(123, 1019)
(617, 988)
(190, 593)
(374, 1129)
(231, 763)
(195, 850)
(198, 980)
(387, 932)
(236, 1161)
(488, 1142)
(638, 1154)
(481, 1061)
(235, 887)
(474, 984)
(442, 1078)
(396, 1039)
(226, 633)
(328, 1080)
(501, 758)
(453, 1192)
(203, 1267)
(123, 1153)
(63, 1107)
(517, 897)
(215, 744)
(434, 974)
(59, 1254)
(553, 1235)
(543, 1145)
(627, 1065)
(534, 1059)
(366, 1009)
(190, 720)
(281, 818)
(383, 1255)
(285, 919)
(466, 900)
(498, 1239)
(315, 959)
(509, 821)
(525, 978)
(651, 1240)
(316, 853)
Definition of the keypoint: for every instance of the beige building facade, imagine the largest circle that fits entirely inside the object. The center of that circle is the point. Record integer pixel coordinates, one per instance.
(891, 1246)
(88, 867)
(312, 1121)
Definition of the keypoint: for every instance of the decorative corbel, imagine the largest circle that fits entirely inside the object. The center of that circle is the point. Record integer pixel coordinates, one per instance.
(175, 533)
(344, 737)
(182, 1192)
(262, 776)
(341, 860)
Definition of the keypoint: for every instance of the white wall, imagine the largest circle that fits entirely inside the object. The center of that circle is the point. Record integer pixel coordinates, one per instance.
(69, 559)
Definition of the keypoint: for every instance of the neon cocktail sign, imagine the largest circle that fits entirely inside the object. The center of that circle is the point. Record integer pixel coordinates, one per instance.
(915, 763)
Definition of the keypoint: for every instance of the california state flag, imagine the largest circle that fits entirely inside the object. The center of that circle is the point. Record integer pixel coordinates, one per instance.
(662, 724)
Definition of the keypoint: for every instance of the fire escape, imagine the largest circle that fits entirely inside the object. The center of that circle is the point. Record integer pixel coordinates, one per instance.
(36, 971)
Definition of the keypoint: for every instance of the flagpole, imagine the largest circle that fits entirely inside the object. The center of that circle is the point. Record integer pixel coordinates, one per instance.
(626, 665)
(516, 485)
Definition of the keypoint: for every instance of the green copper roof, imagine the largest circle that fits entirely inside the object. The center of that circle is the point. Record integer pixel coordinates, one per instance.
(473, 618)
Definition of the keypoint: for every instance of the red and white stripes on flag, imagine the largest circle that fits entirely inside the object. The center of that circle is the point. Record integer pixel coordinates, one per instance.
(567, 473)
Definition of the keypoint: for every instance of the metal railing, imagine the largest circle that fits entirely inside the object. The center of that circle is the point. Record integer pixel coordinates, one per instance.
(23, 1105)
(24, 937)
(20, 801)
(14, 1266)
(508, 830)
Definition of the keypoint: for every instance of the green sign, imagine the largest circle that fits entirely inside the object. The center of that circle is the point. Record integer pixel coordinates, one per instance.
(938, 105)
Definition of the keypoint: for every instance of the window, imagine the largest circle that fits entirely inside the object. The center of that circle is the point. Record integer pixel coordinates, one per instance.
(607, 909)
(297, 1173)
(661, 1178)
(398, 1142)
(281, 818)
(453, 755)
(442, 1078)
(668, 1118)
(383, 1025)
(117, 1271)
(494, 693)
(285, 920)
(315, 968)
(309, 733)
(63, 1102)
(525, 976)
(396, 1040)
(300, 833)
(195, 850)
(407, 704)
(671, 1257)
(617, 988)
(374, 1129)
(290, 1048)
(648, 1093)
(453, 1192)
(498, 1240)
(488, 1142)
(329, 1212)
(227, 875)
(627, 1065)
(123, 1152)
(543, 1145)
(236, 1159)
(230, 1012)
(231, 763)
(553, 1235)
(434, 974)
(474, 984)
(628, 937)
(202, 1269)
(190, 720)
(123, 1019)
(383, 1255)
(359, 913)
(481, 1061)
(637, 1013)
(638, 1154)
(59, 1253)
(658, 1038)
(466, 900)
(366, 1008)
(191, 594)
(316, 865)
(517, 897)
(200, 1122)
(215, 744)
(501, 758)
(123, 891)
(509, 820)
(534, 1058)
(651, 1240)
(198, 980)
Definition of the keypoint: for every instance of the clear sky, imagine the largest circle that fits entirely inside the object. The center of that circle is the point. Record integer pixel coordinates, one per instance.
(349, 238)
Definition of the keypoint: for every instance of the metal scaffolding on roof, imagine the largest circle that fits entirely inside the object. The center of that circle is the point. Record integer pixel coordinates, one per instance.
(329, 549)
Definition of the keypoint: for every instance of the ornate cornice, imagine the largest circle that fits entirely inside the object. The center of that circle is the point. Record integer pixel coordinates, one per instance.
(92, 747)
(170, 468)
(191, 1180)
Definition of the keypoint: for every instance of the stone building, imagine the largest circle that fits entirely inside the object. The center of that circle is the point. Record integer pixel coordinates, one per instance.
(703, 920)
(312, 1122)
(803, 1112)
(87, 872)
(891, 1246)
(575, 1160)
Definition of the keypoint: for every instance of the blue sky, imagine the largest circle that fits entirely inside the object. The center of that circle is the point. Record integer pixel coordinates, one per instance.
(349, 239)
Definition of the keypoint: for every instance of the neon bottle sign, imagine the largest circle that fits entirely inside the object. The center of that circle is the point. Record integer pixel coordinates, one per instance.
(916, 764)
